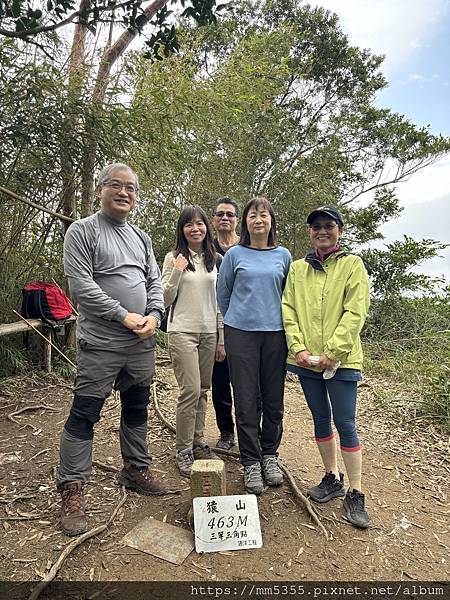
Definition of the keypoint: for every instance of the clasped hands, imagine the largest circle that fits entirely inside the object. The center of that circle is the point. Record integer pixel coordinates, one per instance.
(302, 359)
(143, 327)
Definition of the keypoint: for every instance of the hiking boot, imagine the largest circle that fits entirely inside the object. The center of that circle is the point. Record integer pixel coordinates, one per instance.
(271, 470)
(204, 452)
(184, 459)
(140, 480)
(253, 480)
(355, 510)
(226, 441)
(73, 510)
(330, 487)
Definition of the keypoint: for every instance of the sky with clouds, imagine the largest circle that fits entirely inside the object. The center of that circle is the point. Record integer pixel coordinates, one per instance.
(413, 35)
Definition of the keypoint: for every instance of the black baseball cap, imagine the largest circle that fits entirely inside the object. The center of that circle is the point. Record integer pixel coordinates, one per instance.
(330, 211)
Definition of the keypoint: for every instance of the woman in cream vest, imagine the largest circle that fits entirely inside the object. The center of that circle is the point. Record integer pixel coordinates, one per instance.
(195, 330)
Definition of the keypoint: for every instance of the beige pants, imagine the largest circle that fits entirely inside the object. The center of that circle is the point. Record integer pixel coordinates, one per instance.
(192, 356)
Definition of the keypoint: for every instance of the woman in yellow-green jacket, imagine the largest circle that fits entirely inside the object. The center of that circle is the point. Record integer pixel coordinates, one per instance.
(325, 304)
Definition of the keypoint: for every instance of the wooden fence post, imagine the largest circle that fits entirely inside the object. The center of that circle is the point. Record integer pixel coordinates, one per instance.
(47, 350)
(47, 335)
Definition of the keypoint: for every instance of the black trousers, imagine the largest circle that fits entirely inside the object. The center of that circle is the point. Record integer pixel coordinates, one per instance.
(257, 363)
(221, 397)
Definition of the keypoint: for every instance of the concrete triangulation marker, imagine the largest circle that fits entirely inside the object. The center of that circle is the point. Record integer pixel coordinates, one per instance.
(208, 478)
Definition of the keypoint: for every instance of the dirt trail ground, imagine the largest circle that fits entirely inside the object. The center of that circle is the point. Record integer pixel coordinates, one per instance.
(405, 473)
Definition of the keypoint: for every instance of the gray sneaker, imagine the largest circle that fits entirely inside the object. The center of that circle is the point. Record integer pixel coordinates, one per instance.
(184, 459)
(253, 480)
(271, 470)
(226, 441)
(204, 452)
(355, 510)
(330, 487)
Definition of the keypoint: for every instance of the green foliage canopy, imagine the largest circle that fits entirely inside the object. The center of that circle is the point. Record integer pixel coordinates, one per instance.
(272, 100)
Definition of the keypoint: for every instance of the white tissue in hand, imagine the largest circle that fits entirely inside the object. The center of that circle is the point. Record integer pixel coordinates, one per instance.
(330, 373)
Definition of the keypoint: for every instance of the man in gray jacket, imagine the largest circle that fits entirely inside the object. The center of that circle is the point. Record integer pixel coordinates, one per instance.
(114, 278)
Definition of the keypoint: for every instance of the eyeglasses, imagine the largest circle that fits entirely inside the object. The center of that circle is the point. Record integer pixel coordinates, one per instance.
(222, 213)
(327, 227)
(118, 186)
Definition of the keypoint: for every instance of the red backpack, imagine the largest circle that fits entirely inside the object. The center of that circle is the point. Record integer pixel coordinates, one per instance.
(46, 301)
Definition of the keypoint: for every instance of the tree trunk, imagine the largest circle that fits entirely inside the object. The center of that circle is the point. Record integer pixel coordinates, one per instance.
(76, 76)
(110, 55)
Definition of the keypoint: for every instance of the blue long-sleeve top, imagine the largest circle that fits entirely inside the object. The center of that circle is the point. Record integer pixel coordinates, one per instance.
(250, 286)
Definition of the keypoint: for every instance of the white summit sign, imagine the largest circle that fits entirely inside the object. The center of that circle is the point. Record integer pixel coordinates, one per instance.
(226, 523)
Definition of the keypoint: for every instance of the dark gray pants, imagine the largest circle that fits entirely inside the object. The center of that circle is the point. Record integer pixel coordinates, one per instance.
(99, 370)
(221, 397)
(257, 362)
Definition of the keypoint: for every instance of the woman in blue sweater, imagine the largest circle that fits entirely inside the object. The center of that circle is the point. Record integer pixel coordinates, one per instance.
(249, 290)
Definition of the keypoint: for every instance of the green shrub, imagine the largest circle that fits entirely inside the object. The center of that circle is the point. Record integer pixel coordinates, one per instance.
(408, 340)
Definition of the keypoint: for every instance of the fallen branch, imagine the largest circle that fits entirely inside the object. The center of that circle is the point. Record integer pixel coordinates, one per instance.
(20, 518)
(64, 385)
(172, 428)
(46, 339)
(303, 499)
(334, 520)
(110, 408)
(34, 205)
(36, 407)
(231, 453)
(158, 412)
(297, 493)
(8, 405)
(162, 362)
(104, 467)
(16, 498)
(39, 453)
(71, 547)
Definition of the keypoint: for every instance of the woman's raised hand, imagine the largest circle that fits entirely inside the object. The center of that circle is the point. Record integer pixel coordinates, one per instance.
(180, 263)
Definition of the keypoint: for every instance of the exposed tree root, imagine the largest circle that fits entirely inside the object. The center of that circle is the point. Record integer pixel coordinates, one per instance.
(36, 407)
(158, 411)
(40, 587)
(103, 467)
(297, 493)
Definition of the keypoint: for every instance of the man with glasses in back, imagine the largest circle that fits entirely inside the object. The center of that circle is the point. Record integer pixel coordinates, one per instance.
(114, 279)
(224, 220)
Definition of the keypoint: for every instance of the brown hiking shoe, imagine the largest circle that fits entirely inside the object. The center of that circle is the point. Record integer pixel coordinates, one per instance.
(140, 480)
(73, 510)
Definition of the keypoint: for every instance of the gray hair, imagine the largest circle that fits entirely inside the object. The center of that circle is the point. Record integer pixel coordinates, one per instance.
(107, 171)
